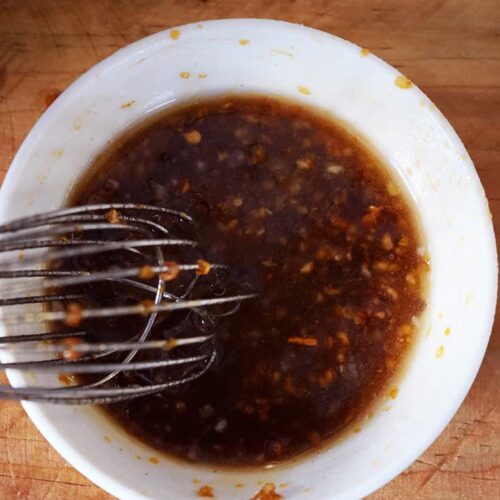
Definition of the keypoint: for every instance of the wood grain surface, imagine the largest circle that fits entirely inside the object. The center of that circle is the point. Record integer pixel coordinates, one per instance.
(450, 48)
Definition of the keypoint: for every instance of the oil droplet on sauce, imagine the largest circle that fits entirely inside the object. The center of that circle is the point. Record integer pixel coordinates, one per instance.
(304, 90)
(439, 351)
(175, 34)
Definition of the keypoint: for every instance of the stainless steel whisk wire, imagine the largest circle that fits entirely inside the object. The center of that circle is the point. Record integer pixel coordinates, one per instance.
(41, 240)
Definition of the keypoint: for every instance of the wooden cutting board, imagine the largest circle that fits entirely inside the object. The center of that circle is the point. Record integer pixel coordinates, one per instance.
(450, 48)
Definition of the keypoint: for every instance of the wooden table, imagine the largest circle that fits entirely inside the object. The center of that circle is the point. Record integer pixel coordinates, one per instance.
(450, 48)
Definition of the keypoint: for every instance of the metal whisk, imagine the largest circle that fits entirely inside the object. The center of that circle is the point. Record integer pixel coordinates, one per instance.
(54, 265)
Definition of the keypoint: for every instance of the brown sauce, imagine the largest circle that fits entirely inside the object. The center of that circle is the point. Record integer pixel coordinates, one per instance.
(305, 214)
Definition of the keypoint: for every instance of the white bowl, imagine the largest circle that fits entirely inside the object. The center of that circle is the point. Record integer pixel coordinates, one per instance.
(408, 131)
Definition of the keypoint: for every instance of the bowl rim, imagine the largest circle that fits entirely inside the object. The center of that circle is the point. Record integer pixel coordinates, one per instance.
(47, 428)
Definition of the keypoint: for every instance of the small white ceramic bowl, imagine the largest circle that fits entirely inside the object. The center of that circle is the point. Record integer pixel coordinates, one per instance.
(408, 131)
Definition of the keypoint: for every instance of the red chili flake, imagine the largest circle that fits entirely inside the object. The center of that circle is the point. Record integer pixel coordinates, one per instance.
(192, 137)
(69, 352)
(204, 267)
(267, 492)
(306, 341)
(146, 273)
(113, 217)
(172, 271)
(206, 492)
(257, 154)
(372, 215)
(148, 306)
(74, 315)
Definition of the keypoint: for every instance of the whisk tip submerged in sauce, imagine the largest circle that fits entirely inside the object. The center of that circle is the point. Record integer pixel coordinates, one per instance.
(305, 214)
